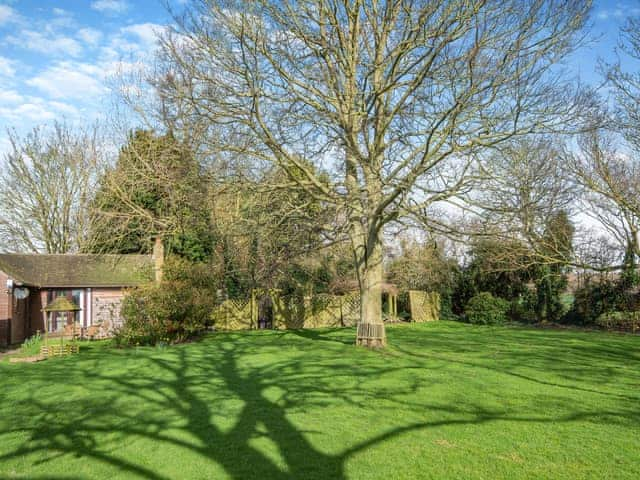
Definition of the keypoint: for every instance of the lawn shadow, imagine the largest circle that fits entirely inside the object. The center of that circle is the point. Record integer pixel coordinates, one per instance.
(583, 356)
(334, 335)
(188, 389)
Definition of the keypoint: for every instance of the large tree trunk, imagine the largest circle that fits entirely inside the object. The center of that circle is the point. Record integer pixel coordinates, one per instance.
(371, 331)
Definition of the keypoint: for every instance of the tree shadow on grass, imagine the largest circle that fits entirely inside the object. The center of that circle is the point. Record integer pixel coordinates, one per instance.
(217, 400)
(335, 335)
(576, 360)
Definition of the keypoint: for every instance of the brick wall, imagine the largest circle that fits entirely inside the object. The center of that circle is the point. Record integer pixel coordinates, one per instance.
(19, 327)
(4, 297)
(5, 330)
(38, 300)
(5, 314)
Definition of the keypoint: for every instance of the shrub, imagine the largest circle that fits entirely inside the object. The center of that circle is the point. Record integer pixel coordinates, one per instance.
(522, 311)
(620, 320)
(173, 311)
(170, 312)
(486, 309)
(595, 299)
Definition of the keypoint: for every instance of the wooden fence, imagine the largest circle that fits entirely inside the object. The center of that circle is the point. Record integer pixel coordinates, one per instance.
(236, 315)
(56, 350)
(289, 311)
(322, 310)
(425, 306)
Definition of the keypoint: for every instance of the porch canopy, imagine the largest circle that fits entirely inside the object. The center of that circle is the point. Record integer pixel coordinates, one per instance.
(61, 304)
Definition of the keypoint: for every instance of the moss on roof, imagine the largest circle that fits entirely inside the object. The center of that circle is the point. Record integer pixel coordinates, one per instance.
(61, 304)
(69, 270)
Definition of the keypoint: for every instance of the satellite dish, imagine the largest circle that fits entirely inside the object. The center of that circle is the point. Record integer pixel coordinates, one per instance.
(21, 293)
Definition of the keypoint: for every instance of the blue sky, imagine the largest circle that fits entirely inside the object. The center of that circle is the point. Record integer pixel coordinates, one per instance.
(56, 56)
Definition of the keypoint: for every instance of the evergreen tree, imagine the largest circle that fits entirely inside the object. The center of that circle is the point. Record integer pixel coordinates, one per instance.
(551, 281)
(155, 188)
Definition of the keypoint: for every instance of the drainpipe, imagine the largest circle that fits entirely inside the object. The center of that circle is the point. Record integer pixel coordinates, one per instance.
(158, 258)
(10, 286)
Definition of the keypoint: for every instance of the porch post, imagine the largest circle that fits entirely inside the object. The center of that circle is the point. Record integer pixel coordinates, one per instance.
(89, 311)
(43, 302)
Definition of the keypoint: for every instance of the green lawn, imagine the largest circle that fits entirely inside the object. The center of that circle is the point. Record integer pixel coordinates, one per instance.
(445, 400)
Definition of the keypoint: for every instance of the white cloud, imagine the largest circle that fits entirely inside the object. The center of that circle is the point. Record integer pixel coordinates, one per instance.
(147, 33)
(46, 42)
(7, 14)
(62, 18)
(110, 6)
(619, 12)
(19, 110)
(134, 42)
(71, 80)
(6, 67)
(90, 36)
(34, 111)
(10, 97)
(64, 108)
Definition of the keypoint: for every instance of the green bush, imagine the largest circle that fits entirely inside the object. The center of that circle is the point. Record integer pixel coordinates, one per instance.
(620, 320)
(520, 310)
(486, 309)
(595, 299)
(171, 312)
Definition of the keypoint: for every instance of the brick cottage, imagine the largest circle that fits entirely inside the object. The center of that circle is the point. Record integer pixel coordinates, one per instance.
(95, 283)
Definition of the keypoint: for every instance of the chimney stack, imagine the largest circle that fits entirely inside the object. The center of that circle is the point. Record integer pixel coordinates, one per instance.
(158, 258)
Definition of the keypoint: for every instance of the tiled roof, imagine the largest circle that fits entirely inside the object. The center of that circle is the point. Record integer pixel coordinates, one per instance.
(81, 270)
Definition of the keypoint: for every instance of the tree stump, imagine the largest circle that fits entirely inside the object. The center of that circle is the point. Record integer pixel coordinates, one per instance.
(371, 335)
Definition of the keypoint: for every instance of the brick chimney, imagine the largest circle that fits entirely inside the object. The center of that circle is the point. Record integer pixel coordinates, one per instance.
(158, 258)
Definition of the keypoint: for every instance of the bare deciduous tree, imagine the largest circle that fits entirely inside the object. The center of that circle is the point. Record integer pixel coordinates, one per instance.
(47, 181)
(392, 99)
(607, 168)
(626, 85)
(610, 180)
(525, 188)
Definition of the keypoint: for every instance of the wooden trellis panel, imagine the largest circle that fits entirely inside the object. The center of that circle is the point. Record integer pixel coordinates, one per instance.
(323, 311)
(350, 309)
(234, 314)
(425, 306)
(288, 311)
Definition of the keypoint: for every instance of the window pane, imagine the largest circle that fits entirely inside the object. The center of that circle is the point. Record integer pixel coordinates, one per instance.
(76, 297)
